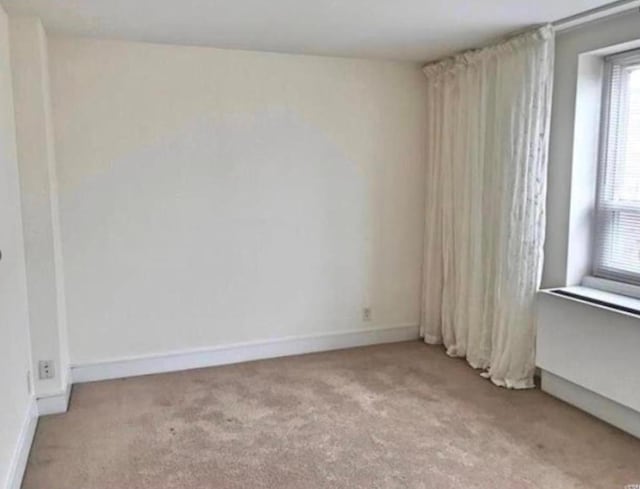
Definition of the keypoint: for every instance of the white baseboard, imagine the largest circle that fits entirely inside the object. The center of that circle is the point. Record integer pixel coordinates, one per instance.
(620, 416)
(54, 404)
(18, 462)
(242, 352)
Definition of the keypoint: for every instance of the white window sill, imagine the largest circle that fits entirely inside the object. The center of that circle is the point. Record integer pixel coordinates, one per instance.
(618, 303)
(615, 287)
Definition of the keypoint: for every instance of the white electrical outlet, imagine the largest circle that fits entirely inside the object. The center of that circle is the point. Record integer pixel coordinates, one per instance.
(46, 370)
(367, 314)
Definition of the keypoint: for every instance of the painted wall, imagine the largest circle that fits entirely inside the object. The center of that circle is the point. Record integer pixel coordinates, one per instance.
(588, 350)
(571, 153)
(38, 190)
(213, 196)
(592, 347)
(14, 320)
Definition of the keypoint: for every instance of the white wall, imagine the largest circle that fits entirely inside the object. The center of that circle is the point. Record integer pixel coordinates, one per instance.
(210, 197)
(588, 354)
(591, 346)
(38, 190)
(572, 152)
(14, 320)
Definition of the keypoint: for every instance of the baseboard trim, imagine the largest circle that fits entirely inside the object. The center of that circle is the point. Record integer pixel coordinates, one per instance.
(242, 352)
(55, 403)
(18, 462)
(615, 414)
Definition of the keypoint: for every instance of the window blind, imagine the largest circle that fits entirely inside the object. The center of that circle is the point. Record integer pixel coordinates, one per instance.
(617, 239)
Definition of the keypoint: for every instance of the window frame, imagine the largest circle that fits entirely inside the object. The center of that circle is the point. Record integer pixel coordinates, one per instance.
(606, 213)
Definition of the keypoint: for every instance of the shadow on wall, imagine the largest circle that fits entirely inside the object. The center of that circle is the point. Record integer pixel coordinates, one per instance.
(191, 229)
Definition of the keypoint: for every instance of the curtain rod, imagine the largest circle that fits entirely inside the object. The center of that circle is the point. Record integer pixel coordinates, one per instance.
(597, 13)
(566, 23)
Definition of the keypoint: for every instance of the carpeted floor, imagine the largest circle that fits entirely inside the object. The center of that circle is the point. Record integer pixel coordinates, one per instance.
(392, 416)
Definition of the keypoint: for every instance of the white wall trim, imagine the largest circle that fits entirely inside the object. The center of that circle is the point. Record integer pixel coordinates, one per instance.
(240, 352)
(54, 403)
(18, 462)
(605, 409)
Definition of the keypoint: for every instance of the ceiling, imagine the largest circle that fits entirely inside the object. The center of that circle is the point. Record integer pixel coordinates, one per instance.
(416, 30)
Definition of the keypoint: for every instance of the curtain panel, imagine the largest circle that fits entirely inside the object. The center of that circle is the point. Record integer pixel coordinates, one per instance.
(488, 135)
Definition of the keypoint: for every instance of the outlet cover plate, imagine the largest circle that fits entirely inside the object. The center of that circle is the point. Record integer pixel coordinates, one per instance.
(45, 369)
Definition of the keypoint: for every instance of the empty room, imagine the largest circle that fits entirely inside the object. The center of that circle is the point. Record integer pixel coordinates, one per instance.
(305, 244)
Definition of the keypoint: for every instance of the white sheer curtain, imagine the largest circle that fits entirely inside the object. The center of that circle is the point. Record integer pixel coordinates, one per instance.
(486, 186)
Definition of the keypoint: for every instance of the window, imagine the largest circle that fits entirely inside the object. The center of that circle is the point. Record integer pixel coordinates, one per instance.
(617, 239)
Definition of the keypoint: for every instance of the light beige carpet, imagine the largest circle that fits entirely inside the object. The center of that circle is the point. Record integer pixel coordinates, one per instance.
(393, 416)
